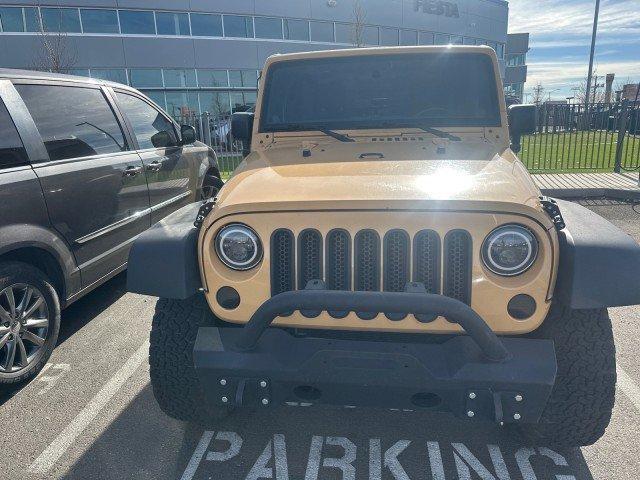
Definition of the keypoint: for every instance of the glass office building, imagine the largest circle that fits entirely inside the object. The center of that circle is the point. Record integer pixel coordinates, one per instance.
(192, 56)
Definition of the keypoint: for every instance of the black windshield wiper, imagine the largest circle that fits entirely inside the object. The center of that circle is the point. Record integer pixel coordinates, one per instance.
(336, 135)
(298, 127)
(439, 133)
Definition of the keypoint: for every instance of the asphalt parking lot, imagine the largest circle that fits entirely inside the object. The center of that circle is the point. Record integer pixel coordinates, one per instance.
(91, 415)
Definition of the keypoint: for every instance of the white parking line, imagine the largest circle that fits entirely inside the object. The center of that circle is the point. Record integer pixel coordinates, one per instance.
(198, 453)
(63, 441)
(629, 387)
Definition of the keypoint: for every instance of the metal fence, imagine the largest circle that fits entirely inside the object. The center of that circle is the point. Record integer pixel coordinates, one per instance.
(569, 138)
(215, 131)
(596, 137)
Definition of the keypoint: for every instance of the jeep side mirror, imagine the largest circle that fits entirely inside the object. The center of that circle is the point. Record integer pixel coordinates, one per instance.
(522, 121)
(242, 129)
(187, 135)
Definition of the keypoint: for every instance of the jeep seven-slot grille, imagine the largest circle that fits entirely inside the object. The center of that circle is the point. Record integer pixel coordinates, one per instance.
(370, 264)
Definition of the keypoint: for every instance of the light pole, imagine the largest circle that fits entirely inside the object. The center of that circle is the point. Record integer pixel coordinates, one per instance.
(593, 50)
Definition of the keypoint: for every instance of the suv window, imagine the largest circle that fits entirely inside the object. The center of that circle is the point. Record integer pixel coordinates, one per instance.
(12, 152)
(151, 128)
(73, 121)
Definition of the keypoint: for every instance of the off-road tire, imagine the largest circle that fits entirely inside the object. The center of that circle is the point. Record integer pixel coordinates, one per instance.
(579, 409)
(173, 376)
(19, 272)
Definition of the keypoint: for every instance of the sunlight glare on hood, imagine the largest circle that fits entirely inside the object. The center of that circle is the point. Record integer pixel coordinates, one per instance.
(445, 182)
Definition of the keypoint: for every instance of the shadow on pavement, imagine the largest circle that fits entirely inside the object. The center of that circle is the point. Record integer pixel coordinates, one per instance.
(143, 443)
(78, 315)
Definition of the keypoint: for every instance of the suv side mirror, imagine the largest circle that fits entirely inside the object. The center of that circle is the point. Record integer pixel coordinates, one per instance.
(522, 121)
(188, 134)
(242, 129)
(162, 139)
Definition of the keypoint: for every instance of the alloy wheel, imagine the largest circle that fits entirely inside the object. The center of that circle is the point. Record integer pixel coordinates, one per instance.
(24, 325)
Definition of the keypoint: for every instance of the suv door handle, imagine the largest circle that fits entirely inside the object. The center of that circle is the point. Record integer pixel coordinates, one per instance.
(155, 166)
(131, 171)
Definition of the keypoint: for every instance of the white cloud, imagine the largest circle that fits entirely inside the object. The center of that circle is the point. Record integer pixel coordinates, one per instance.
(573, 18)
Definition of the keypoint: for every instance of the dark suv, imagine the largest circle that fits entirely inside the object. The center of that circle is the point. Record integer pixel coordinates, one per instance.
(85, 167)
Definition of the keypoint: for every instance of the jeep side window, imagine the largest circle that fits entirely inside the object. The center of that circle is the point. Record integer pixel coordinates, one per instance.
(12, 152)
(73, 122)
(150, 127)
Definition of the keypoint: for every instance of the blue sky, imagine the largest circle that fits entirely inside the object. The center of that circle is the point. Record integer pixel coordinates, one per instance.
(561, 38)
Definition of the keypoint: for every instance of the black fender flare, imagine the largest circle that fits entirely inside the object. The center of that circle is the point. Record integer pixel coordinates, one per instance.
(599, 263)
(163, 261)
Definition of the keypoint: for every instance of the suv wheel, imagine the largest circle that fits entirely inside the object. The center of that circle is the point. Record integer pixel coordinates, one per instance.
(29, 321)
(173, 376)
(580, 406)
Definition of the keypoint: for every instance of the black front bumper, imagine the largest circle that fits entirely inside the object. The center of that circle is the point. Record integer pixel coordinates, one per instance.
(259, 366)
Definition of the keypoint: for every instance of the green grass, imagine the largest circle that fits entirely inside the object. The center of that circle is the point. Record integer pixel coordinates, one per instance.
(593, 151)
(578, 152)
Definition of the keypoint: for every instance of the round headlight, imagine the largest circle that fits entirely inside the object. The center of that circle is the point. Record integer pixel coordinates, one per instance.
(510, 250)
(238, 247)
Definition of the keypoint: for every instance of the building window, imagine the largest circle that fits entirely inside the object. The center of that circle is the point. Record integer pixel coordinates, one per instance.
(79, 72)
(118, 75)
(172, 23)
(216, 103)
(157, 97)
(146, 77)
(267, 27)
(371, 35)
(137, 22)
(469, 41)
(516, 60)
(11, 19)
(213, 78)
(408, 37)
(182, 104)
(500, 50)
(179, 78)
(296, 29)
(389, 36)
(60, 20)
(456, 40)
(238, 26)
(235, 78)
(204, 25)
(99, 21)
(441, 39)
(322, 32)
(345, 33)
(87, 128)
(32, 19)
(426, 38)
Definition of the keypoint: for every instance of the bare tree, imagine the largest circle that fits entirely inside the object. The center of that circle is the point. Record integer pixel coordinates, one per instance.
(538, 94)
(359, 17)
(597, 93)
(54, 53)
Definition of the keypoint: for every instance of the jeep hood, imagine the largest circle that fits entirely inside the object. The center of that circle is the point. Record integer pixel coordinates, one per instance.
(434, 175)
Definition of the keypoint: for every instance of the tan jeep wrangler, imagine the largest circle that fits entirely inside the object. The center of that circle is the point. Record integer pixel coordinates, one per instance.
(402, 256)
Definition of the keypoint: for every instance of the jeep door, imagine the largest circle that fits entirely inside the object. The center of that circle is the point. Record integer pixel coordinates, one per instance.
(94, 184)
(171, 173)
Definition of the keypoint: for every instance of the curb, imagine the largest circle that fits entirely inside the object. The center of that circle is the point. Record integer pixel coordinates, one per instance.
(610, 193)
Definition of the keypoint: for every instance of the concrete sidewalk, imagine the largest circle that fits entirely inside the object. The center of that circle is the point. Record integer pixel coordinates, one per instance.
(618, 186)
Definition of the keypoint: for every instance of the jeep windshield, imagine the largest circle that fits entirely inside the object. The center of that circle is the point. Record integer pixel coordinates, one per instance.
(381, 91)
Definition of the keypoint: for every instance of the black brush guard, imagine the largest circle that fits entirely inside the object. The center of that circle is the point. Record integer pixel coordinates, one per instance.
(477, 375)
